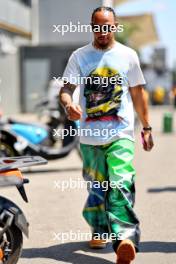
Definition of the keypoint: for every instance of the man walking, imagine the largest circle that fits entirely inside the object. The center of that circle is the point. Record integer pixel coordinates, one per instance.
(114, 83)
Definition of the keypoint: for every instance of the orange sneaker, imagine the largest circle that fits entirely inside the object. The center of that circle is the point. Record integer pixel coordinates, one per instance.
(125, 252)
(97, 243)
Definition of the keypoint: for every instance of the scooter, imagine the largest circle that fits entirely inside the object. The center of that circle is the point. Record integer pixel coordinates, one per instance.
(23, 138)
(13, 223)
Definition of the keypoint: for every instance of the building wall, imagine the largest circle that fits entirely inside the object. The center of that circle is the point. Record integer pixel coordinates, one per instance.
(14, 18)
(22, 85)
(15, 14)
(59, 12)
(39, 65)
(9, 86)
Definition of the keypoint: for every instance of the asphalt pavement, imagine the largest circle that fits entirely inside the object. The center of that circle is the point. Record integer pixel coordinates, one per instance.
(55, 213)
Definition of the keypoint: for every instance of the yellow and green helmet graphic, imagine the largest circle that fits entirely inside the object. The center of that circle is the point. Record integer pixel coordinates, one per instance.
(103, 91)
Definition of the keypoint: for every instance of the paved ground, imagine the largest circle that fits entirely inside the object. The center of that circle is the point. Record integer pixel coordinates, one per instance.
(52, 211)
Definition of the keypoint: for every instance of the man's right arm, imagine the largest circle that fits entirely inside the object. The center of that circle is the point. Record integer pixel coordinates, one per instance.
(73, 111)
(65, 95)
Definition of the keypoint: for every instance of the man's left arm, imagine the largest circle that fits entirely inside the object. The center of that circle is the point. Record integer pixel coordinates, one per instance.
(140, 103)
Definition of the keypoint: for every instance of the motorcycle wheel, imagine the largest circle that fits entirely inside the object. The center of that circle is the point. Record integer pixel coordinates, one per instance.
(11, 245)
(6, 150)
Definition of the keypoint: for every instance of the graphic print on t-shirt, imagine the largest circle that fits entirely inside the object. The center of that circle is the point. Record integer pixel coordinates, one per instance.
(103, 91)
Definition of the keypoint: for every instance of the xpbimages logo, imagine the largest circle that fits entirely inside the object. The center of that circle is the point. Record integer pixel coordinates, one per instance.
(70, 27)
(84, 132)
(62, 237)
(63, 185)
(103, 80)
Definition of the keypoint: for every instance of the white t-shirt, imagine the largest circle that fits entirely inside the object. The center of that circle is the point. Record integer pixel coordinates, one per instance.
(104, 78)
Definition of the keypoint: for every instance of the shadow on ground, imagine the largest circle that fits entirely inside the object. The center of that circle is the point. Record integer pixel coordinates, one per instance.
(68, 252)
(157, 247)
(164, 189)
(76, 252)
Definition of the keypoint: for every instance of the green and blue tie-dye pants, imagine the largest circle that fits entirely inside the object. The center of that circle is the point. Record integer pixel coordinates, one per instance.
(109, 207)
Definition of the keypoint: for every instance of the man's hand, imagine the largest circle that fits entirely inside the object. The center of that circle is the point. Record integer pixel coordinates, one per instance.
(74, 112)
(147, 140)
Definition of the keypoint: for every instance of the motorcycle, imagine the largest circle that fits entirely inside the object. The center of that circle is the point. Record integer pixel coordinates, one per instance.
(13, 223)
(23, 138)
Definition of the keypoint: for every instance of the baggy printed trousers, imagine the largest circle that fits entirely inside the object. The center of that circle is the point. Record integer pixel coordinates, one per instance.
(109, 207)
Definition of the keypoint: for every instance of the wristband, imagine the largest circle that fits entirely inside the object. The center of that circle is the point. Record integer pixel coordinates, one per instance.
(147, 128)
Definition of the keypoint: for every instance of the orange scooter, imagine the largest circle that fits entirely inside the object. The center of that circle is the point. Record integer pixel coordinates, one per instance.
(13, 222)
